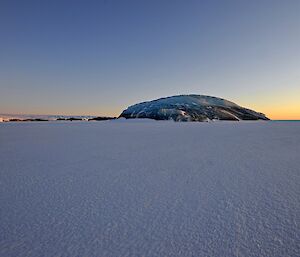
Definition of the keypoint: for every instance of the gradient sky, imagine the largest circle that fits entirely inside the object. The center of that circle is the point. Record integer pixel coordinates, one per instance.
(98, 57)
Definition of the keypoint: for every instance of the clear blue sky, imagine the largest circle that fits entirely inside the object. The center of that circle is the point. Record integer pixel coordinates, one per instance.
(98, 57)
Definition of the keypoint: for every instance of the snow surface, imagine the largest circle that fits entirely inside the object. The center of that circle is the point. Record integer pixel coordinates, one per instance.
(150, 189)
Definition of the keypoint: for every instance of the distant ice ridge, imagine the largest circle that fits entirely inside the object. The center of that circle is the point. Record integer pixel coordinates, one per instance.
(7, 117)
(22, 117)
(191, 108)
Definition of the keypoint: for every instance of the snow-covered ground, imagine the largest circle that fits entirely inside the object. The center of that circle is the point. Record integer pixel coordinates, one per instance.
(128, 188)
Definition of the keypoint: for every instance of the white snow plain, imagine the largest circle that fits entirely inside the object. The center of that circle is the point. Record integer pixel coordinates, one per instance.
(153, 188)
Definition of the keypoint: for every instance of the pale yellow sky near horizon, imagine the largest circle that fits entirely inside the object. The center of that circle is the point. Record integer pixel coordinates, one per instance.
(281, 105)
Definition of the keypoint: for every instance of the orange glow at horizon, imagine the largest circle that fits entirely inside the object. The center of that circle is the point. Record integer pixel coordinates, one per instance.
(286, 113)
(276, 105)
(283, 110)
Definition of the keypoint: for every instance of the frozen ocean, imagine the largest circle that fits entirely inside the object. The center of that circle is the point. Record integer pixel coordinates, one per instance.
(150, 188)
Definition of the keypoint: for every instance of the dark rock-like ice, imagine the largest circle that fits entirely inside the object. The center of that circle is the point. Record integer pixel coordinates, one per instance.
(191, 108)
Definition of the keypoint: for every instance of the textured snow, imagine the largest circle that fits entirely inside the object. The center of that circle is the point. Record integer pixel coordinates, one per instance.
(123, 188)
